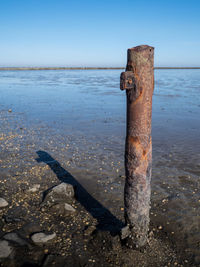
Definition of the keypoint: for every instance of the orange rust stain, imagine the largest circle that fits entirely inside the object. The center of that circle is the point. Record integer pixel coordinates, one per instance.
(144, 153)
(139, 150)
(134, 140)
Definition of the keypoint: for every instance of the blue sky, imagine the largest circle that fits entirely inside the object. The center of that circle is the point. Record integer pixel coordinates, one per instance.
(98, 33)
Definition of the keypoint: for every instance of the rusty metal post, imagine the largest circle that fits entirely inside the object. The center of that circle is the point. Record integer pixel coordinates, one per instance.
(138, 81)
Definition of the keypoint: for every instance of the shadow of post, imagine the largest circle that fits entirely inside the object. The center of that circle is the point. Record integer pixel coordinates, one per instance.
(106, 220)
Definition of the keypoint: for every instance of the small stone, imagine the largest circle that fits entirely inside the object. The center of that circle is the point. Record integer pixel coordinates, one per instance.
(151, 234)
(64, 188)
(63, 209)
(34, 188)
(3, 203)
(11, 219)
(16, 214)
(90, 229)
(29, 229)
(69, 208)
(39, 238)
(59, 194)
(14, 237)
(125, 232)
(5, 249)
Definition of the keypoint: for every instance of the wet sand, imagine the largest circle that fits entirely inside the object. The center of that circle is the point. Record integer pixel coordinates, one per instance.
(71, 127)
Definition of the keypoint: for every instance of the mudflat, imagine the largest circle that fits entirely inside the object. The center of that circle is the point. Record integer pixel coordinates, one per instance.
(69, 127)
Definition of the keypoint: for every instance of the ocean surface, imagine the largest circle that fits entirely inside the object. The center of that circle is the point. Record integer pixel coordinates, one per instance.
(79, 117)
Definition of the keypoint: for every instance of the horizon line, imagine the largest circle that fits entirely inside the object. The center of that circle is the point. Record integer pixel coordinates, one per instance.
(84, 68)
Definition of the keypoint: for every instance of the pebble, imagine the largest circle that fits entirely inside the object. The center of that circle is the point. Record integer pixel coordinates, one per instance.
(69, 208)
(63, 209)
(42, 238)
(59, 194)
(34, 189)
(64, 188)
(3, 203)
(11, 219)
(5, 249)
(30, 228)
(90, 230)
(125, 232)
(15, 238)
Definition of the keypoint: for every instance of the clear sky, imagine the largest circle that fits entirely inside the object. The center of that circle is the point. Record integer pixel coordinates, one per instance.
(98, 32)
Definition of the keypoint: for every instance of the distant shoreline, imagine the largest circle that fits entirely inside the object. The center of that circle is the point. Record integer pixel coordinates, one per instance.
(85, 68)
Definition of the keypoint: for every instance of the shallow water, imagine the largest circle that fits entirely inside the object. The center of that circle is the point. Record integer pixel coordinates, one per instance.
(78, 116)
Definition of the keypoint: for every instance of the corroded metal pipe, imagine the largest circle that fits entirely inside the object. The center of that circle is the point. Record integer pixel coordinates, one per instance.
(138, 81)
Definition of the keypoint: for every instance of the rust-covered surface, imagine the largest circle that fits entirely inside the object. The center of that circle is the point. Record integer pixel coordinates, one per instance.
(127, 80)
(138, 81)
